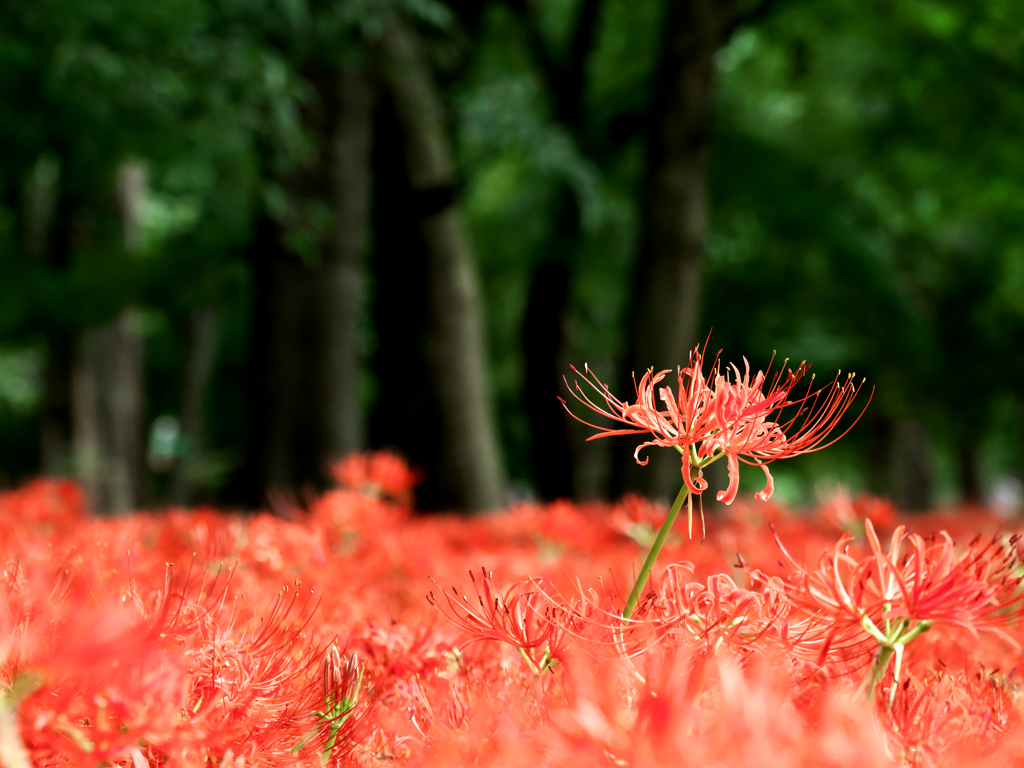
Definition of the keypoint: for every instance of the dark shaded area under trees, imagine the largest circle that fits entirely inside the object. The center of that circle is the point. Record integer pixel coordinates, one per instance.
(241, 239)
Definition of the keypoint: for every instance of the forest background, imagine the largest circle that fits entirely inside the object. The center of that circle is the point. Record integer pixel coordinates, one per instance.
(241, 238)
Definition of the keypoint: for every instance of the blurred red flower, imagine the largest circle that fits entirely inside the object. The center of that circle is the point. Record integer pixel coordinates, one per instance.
(380, 473)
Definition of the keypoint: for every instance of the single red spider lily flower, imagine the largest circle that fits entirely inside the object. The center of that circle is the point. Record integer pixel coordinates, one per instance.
(732, 415)
(895, 597)
(522, 617)
(975, 591)
(719, 613)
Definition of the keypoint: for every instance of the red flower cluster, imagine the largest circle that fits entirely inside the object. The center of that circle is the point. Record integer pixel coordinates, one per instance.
(199, 638)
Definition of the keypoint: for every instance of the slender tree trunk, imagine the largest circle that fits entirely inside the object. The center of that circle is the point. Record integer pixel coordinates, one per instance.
(667, 290)
(52, 235)
(290, 452)
(108, 414)
(88, 441)
(561, 459)
(459, 355)
(912, 484)
(970, 475)
(55, 424)
(202, 351)
(108, 384)
(550, 451)
(880, 440)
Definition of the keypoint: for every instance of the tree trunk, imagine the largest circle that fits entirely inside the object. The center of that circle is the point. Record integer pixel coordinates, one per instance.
(55, 424)
(880, 441)
(290, 452)
(53, 237)
(667, 290)
(306, 411)
(202, 350)
(108, 386)
(342, 301)
(108, 398)
(912, 485)
(401, 274)
(562, 461)
(458, 353)
(970, 475)
(550, 451)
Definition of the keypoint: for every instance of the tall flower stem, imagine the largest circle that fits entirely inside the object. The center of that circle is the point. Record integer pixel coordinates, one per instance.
(652, 556)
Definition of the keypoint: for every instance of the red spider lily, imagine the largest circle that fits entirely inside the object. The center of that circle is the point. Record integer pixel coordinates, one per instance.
(951, 718)
(893, 598)
(376, 474)
(142, 666)
(523, 616)
(732, 415)
(974, 591)
(719, 613)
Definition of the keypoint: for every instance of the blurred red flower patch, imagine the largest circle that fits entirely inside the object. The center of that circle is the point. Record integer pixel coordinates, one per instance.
(201, 638)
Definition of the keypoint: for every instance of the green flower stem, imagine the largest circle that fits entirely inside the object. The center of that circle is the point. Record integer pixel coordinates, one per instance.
(885, 654)
(891, 643)
(529, 661)
(652, 556)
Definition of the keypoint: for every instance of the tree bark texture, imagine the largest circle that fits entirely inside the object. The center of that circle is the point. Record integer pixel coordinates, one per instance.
(666, 294)
(458, 351)
(306, 412)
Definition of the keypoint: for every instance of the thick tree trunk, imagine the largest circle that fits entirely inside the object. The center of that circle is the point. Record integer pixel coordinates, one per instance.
(458, 354)
(401, 274)
(667, 289)
(306, 411)
(342, 301)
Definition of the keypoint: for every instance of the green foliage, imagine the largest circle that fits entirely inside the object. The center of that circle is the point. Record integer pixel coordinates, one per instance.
(898, 126)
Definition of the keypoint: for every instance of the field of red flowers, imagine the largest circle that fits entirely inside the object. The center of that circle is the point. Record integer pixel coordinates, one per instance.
(357, 632)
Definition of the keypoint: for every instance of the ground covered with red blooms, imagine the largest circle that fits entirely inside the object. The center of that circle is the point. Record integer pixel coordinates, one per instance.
(357, 632)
